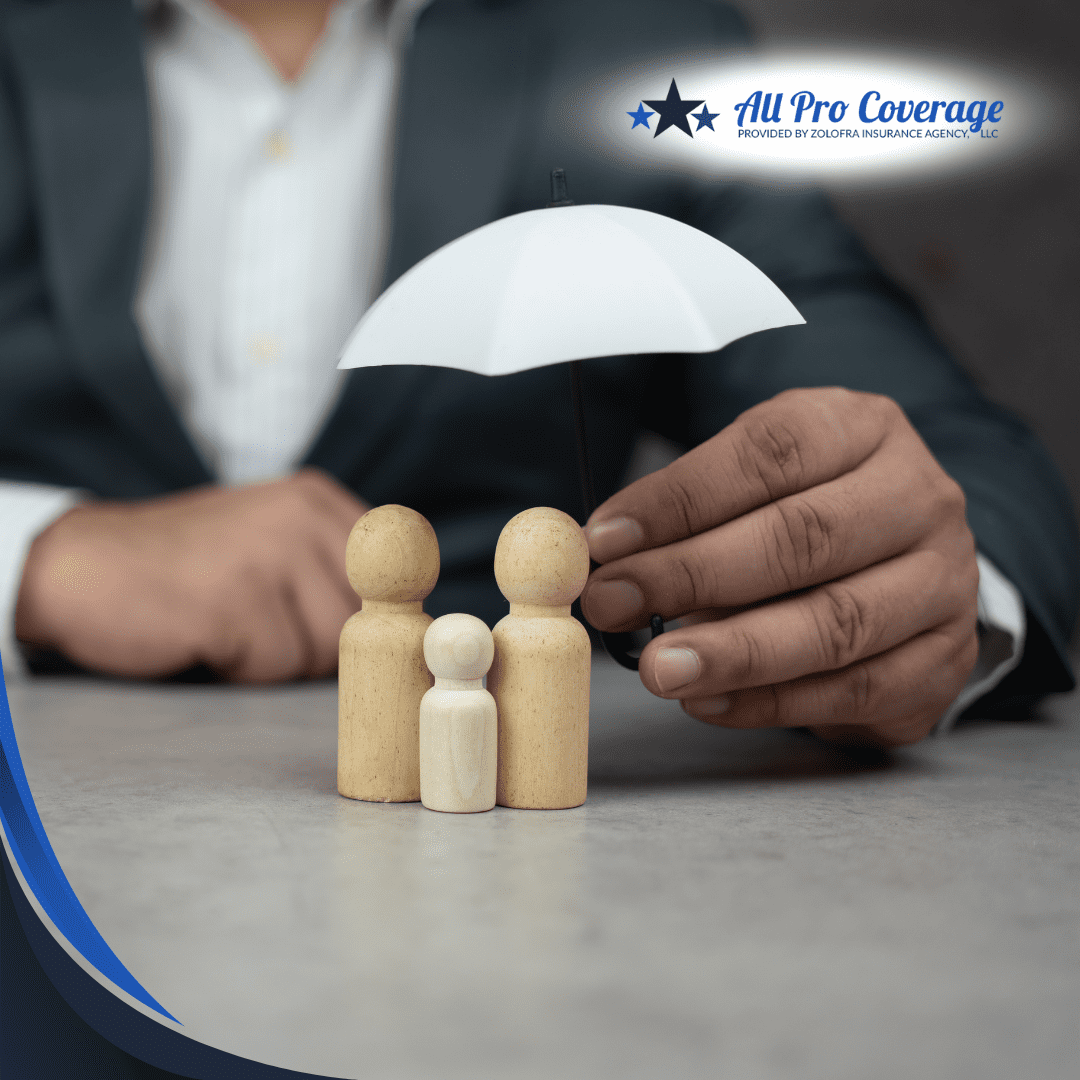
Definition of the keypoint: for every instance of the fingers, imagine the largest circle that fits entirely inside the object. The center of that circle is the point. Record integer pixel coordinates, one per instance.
(288, 622)
(323, 603)
(795, 441)
(262, 640)
(891, 699)
(824, 629)
(837, 551)
(327, 527)
(250, 581)
(288, 630)
(883, 508)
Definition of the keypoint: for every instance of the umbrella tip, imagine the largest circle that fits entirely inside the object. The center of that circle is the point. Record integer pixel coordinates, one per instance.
(558, 189)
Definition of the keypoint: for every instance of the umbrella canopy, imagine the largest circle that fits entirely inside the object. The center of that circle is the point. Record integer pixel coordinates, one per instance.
(567, 283)
(564, 284)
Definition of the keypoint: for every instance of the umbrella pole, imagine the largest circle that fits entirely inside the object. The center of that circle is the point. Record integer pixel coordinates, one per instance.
(618, 646)
(588, 491)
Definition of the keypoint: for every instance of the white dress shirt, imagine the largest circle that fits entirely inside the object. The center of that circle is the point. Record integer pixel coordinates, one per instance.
(266, 245)
(271, 207)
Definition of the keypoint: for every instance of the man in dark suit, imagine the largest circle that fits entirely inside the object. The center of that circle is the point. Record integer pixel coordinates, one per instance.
(823, 539)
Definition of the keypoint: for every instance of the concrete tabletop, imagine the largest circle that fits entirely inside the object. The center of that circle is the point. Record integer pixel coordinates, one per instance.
(736, 904)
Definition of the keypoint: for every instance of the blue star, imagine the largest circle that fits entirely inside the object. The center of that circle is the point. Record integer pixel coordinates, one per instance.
(641, 117)
(705, 118)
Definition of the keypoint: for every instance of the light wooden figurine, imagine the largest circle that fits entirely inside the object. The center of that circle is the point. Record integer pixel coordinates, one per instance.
(540, 676)
(392, 560)
(459, 736)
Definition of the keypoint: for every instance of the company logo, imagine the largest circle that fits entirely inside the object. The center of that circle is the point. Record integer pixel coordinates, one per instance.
(809, 114)
(673, 111)
(761, 107)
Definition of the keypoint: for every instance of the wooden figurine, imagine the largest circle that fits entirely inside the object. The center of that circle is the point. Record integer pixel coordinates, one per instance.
(540, 676)
(458, 731)
(392, 560)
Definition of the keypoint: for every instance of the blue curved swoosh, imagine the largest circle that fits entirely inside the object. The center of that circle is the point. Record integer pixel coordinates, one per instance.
(42, 872)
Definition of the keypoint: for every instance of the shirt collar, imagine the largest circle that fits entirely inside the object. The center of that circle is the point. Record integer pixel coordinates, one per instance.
(404, 11)
(203, 32)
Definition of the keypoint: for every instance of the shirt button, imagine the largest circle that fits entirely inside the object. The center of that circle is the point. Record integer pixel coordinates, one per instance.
(278, 146)
(263, 350)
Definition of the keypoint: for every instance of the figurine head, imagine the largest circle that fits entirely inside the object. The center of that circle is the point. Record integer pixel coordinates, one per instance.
(392, 555)
(542, 558)
(458, 647)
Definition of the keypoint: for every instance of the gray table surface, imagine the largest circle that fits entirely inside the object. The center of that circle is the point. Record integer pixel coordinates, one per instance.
(743, 904)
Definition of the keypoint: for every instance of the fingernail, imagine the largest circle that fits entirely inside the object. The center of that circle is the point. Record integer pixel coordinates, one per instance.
(701, 708)
(673, 668)
(609, 603)
(613, 539)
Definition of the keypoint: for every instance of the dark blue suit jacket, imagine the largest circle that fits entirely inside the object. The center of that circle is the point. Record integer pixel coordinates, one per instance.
(480, 124)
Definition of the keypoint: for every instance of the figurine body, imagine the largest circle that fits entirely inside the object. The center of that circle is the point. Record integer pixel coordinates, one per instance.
(541, 673)
(458, 726)
(392, 561)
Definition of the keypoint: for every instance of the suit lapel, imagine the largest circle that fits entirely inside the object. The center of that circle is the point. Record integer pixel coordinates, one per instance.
(459, 118)
(84, 93)
(84, 98)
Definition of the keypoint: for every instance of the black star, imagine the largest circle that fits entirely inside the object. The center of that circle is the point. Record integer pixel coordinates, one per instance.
(672, 111)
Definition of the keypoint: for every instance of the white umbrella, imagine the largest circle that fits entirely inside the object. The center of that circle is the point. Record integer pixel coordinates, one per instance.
(567, 283)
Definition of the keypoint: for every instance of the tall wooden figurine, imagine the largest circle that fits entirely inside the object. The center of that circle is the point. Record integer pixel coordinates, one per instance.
(392, 560)
(540, 676)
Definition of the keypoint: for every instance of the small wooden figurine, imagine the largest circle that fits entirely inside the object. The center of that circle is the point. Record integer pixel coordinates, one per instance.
(392, 560)
(458, 731)
(540, 676)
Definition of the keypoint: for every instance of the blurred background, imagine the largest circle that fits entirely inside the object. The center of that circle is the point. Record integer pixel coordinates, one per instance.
(993, 259)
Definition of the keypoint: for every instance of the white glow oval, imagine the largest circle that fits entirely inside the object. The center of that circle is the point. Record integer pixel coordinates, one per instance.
(887, 116)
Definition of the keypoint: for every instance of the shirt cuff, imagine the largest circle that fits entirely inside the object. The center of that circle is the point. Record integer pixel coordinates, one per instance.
(25, 510)
(1002, 629)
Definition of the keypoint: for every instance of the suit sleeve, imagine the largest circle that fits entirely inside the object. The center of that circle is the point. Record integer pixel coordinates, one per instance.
(863, 333)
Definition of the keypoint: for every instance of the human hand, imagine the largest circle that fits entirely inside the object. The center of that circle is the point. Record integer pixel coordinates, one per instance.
(825, 562)
(249, 581)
